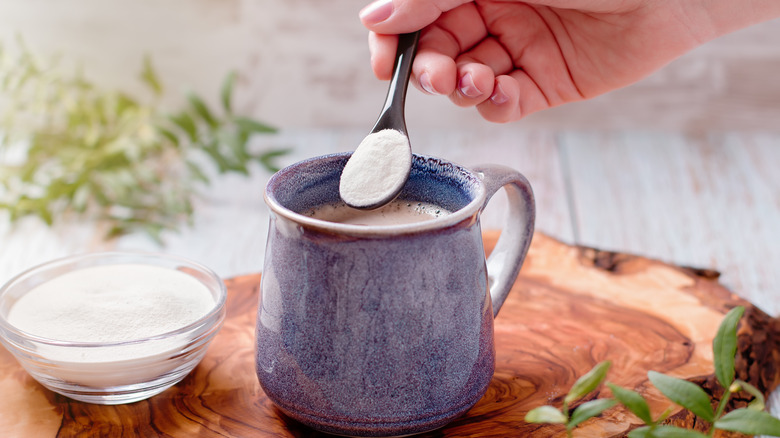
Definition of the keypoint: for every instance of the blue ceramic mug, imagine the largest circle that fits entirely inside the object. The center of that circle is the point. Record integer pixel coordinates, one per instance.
(385, 330)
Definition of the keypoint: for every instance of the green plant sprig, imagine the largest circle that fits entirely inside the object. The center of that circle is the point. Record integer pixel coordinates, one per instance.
(582, 387)
(751, 420)
(68, 147)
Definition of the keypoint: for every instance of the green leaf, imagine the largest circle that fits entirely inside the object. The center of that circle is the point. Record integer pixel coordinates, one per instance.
(58, 188)
(227, 92)
(197, 172)
(149, 76)
(117, 231)
(640, 432)
(202, 110)
(169, 135)
(545, 414)
(81, 198)
(664, 415)
(588, 382)
(44, 213)
(155, 232)
(185, 122)
(589, 410)
(237, 146)
(758, 403)
(633, 401)
(684, 393)
(724, 346)
(267, 158)
(664, 432)
(253, 126)
(212, 150)
(749, 422)
(124, 103)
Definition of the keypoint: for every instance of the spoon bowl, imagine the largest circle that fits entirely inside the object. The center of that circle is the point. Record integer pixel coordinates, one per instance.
(378, 169)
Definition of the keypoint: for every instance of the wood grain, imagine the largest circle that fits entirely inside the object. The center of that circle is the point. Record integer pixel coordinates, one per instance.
(709, 200)
(571, 308)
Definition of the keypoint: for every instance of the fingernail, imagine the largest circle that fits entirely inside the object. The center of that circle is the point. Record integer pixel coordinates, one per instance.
(499, 97)
(425, 83)
(467, 87)
(377, 12)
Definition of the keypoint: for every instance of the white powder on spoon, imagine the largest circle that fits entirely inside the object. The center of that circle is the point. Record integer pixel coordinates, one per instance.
(377, 170)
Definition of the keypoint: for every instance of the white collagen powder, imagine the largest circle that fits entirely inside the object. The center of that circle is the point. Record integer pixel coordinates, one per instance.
(112, 303)
(378, 169)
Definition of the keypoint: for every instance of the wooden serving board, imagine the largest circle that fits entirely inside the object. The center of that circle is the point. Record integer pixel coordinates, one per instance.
(570, 308)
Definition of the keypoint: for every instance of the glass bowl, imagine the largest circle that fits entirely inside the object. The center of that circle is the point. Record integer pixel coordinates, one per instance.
(112, 372)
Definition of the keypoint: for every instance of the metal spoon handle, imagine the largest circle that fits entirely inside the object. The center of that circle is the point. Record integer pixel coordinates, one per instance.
(392, 115)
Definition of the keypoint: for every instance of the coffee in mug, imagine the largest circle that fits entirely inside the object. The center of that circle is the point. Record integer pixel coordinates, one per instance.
(394, 213)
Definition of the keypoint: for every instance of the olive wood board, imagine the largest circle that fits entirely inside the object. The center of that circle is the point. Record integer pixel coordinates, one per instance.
(570, 308)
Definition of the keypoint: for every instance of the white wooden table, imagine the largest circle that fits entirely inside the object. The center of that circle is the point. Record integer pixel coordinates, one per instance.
(709, 201)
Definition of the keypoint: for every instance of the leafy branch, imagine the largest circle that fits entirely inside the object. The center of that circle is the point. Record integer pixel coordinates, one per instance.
(581, 388)
(751, 420)
(70, 147)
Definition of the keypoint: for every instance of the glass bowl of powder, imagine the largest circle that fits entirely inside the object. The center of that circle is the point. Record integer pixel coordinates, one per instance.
(111, 328)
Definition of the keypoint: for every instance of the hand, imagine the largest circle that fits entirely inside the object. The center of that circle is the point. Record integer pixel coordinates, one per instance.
(512, 58)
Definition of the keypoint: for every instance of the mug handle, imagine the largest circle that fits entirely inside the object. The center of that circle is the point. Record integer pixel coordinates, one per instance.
(507, 257)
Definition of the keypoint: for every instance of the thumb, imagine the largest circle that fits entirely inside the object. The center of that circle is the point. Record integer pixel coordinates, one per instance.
(404, 16)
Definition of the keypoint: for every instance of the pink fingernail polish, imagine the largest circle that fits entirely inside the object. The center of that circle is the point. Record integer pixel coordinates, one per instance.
(377, 12)
(499, 97)
(467, 86)
(425, 83)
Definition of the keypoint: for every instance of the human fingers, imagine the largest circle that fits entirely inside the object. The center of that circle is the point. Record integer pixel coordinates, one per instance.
(477, 71)
(434, 72)
(382, 49)
(502, 106)
(441, 44)
(403, 16)
(514, 96)
(475, 84)
(491, 53)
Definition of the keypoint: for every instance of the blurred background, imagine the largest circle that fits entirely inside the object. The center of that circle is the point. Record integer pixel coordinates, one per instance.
(304, 63)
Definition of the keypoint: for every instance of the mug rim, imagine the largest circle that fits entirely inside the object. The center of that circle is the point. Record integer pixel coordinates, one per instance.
(467, 212)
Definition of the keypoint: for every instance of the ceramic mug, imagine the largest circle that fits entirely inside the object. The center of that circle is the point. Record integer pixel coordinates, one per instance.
(385, 330)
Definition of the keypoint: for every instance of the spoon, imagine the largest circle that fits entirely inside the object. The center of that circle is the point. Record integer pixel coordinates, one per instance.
(378, 169)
